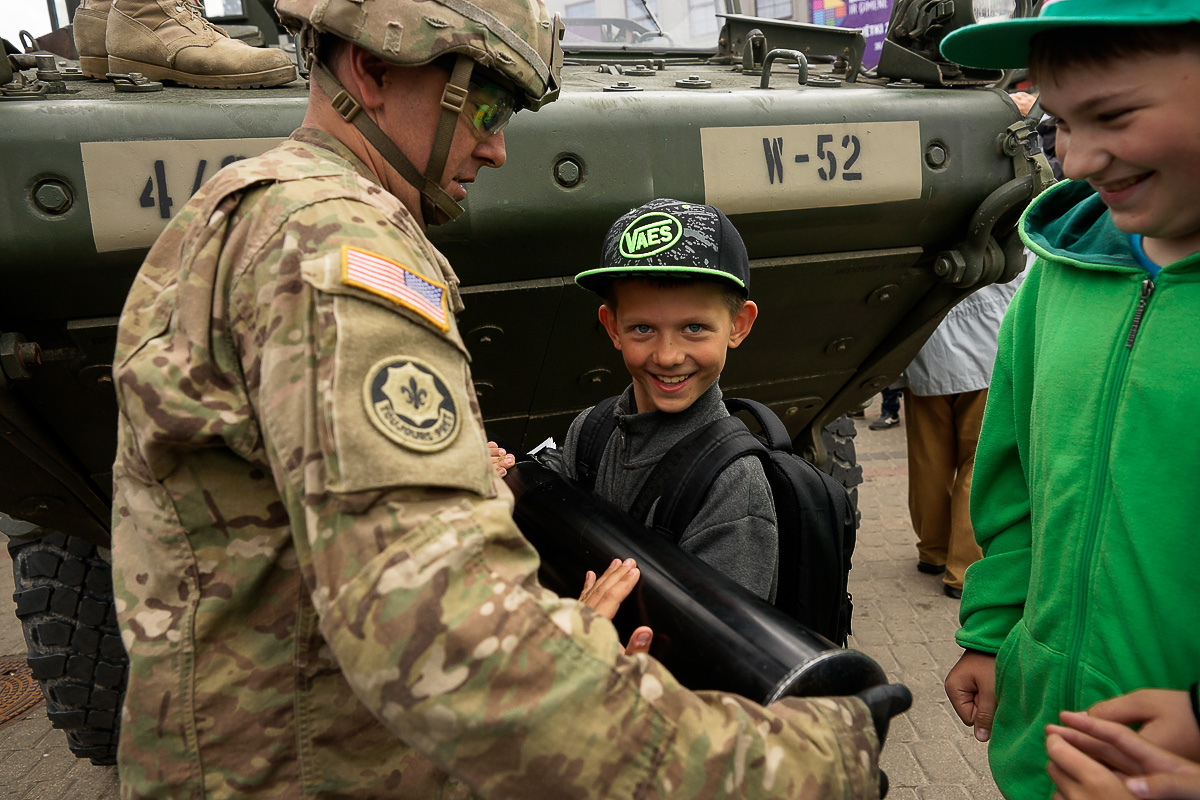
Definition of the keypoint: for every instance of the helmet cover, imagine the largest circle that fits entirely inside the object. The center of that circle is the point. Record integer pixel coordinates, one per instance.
(514, 38)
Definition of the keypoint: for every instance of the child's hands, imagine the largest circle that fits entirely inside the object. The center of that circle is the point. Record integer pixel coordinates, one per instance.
(971, 687)
(604, 594)
(501, 459)
(1095, 758)
(1163, 717)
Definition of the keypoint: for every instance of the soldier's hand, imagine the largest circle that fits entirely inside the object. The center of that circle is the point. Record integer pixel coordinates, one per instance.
(884, 703)
(501, 458)
(639, 641)
(971, 687)
(604, 594)
(1162, 716)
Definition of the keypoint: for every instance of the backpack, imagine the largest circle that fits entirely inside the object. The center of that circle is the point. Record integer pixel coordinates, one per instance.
(815, 516)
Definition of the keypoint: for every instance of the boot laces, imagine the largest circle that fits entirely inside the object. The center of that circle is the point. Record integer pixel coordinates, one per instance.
(195, 8)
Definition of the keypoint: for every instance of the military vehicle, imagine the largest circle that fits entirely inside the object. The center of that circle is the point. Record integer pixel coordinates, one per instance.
(871, 201)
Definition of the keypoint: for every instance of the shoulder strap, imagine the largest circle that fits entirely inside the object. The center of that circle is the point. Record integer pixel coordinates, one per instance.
(683, 477)
(594, 434)
(773, 429)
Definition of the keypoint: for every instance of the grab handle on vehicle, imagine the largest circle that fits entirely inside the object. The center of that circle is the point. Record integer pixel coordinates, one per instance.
(794, 56)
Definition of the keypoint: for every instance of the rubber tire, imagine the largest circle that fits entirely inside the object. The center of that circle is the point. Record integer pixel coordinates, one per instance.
(842, 463)
(65, 603)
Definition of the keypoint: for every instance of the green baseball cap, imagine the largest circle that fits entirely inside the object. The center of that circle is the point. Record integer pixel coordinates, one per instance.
(1004, 44)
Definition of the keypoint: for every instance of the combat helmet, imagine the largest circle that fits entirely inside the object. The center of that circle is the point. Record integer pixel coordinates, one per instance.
(516, 39)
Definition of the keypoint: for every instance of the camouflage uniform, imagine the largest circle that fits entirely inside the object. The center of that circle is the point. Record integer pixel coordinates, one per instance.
(318, 579)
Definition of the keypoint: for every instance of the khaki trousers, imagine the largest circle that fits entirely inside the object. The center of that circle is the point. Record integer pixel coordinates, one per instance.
(942, 432)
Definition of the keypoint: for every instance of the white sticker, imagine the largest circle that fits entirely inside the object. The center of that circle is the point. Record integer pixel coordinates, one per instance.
(783, 167)
(547, 444)
(134, 188)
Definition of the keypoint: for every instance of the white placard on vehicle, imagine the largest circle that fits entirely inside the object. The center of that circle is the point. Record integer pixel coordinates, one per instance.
(134, 188)
(783, 167)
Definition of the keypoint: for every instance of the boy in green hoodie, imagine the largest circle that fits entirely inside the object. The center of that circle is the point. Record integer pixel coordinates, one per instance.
(1083, 503)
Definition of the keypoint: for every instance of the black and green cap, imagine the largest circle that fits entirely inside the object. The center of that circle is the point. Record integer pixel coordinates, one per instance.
(670, 238)
(1004, 44)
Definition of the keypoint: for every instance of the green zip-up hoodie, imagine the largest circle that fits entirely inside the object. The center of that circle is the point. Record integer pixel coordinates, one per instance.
(1085, 496)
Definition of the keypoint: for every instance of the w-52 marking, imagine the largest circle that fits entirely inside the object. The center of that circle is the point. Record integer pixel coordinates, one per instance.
(827, 156)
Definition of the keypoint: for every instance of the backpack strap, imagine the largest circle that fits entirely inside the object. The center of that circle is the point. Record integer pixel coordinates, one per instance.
(597, 428)
(681, 480)
(773, 429)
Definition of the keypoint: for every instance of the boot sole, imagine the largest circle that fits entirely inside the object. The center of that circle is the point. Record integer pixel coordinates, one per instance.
(247, 80)
(94, 66)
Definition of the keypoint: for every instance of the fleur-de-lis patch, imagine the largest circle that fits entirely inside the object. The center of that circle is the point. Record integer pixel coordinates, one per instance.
(414, 394)
(407, 400)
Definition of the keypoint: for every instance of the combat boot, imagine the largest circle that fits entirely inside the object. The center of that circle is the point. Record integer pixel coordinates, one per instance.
(88, 26)
(171, 40)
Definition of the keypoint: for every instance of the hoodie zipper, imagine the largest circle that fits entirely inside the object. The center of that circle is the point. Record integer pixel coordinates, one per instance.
(1147, 291)
(1093, 530)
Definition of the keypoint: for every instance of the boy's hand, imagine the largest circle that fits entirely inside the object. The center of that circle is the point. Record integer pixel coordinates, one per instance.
(971, 687)
(501, 459)
(1095, 758)
(604, 594)
(1163, 716)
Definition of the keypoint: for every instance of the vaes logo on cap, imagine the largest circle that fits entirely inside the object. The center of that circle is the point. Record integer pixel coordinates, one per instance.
(650, 234)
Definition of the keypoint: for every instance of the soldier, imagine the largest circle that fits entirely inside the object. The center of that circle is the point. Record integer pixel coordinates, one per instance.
(318, 579)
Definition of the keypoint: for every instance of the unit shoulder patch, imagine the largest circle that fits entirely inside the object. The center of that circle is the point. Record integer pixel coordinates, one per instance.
(393, 281)
(409, 402)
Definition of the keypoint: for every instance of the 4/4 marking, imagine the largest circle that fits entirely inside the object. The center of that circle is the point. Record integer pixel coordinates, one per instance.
(135, 187)
(165, 201)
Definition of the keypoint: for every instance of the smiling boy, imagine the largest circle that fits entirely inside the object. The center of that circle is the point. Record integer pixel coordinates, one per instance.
(1084, 509)
(675, 280)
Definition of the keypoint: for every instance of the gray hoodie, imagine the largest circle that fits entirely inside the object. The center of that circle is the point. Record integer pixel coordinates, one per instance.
(735, 530)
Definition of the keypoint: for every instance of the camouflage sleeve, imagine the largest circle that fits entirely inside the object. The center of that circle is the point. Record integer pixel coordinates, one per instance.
(426, 591)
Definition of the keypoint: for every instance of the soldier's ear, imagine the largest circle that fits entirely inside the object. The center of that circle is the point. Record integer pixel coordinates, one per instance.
(367, 75)
(608, 318)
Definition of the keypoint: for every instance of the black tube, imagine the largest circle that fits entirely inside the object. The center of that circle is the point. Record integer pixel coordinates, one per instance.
(708, 631)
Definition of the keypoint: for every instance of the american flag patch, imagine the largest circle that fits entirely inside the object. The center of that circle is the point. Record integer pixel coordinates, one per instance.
(395, 282)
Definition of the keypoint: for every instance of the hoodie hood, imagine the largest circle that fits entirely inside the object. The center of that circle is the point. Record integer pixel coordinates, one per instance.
(1069, 224)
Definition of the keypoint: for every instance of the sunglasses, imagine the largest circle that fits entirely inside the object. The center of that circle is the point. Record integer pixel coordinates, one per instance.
(488, 108)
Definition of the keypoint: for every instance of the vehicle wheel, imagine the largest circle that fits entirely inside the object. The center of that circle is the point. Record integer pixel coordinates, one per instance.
(842, 463)
(65, 604)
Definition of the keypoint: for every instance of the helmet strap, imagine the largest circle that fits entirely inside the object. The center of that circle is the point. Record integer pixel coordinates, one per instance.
(433, 197)
(454, 96)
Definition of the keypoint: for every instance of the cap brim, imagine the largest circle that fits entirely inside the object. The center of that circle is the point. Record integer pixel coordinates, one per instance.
(1004, 44)
(597, 279)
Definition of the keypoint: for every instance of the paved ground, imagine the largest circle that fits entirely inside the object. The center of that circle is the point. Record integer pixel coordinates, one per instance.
(904, 621)
(901, 619)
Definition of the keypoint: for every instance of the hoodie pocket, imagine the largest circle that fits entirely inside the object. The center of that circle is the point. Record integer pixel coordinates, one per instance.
(1028, 696)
